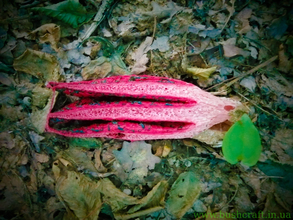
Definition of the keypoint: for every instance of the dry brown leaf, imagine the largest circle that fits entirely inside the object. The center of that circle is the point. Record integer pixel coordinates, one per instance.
(254, 182)
(232, 50)
(98, 163)
(79, 159)
(39, 64)
(285, 64)
(209, 136)
(13, 193)
(114, 197)
(282, 144)
(243, 22)
(162, 148)
(80, 193)
(185, 190)
(42, 158)
(140, 57)
(47, 33)
(96, 69)
(242, 200)
(7, 140)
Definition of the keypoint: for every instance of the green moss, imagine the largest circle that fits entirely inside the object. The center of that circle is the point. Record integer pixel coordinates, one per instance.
(242, 143)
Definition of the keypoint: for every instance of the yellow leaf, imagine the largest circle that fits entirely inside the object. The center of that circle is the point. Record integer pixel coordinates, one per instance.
(201, 72)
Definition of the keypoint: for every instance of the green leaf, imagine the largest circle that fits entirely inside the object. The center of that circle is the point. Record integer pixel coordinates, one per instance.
(242, 143)
(70, 12)
(278, 27)
(281, 173)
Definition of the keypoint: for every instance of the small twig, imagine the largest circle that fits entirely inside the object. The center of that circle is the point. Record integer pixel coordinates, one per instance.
(230, 15)
(153, 37)
(31, 4)
(98, 18)
(259, 106)
(8, 20)
(236, 78)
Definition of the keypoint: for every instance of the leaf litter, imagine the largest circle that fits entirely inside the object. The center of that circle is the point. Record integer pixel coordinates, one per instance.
(241, 51)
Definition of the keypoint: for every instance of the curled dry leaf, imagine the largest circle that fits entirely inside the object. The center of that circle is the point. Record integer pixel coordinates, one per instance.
(201, 72)
(47, 33)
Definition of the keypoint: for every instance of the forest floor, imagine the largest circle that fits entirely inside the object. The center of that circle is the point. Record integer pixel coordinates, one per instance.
(238, 49)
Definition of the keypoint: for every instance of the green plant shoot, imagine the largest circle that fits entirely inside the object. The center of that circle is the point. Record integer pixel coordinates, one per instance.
(242, 143)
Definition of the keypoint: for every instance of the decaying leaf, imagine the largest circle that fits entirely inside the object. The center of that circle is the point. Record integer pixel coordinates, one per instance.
(114, 197)
(80, 160)
(13, 193)
(242, 19)
(282, 144)
(98, 68)
(140, 56)
(136, 158)
(47, 33)
(152, 202)
(36, 139)
(210, 136)
(40, 96)
(185, 190)
(78, 192)
(39, 117)
(162, 148)
(232, 50)
(249, 83)
(41, 65)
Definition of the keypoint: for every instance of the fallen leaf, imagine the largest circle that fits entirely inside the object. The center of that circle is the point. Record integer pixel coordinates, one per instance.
(98, 68)
(161, 43)
(162, 148)
(36, 139)
(70, 12)
(274, 169)
(40, 96)
(140, 57)
(201, 72)
(282, 145)
(6, 140)
(47, 33)
(136, 158)
(80, 193)
(152, 202)
(42, 158)
(232, 50)
(39, 117)
(184, 191)
(41, 65)
(242, 18)
(79, 159)
(249, 83)
(114, 197)
(209, 136)
(278, 27)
